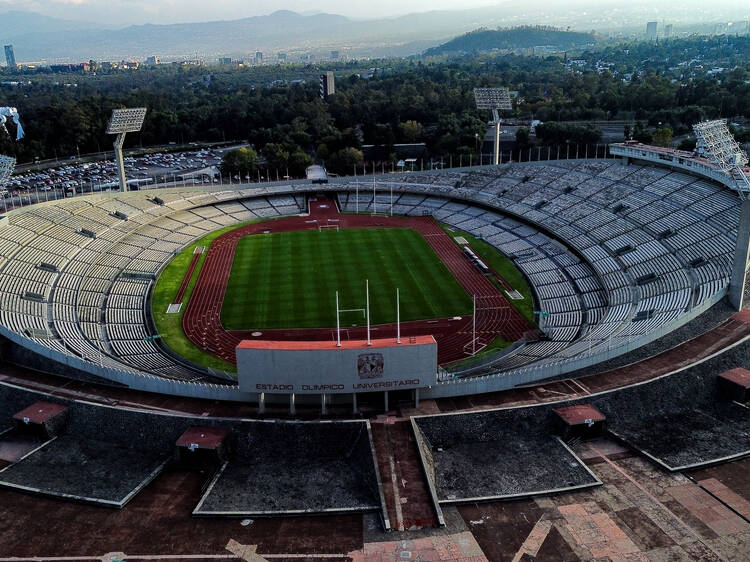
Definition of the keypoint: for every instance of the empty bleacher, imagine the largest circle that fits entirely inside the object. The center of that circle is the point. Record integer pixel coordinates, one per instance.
(615, 254)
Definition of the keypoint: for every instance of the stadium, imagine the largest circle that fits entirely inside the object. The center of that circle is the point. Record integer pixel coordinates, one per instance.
(335, 302)
(609, 278)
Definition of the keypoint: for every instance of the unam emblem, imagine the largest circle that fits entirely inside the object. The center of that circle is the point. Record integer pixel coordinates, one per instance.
(370, 365)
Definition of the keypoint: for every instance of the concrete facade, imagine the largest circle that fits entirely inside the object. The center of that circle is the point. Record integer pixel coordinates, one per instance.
(325, 368)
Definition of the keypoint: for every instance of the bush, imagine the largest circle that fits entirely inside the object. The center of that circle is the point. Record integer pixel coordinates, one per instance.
(663, 136)
(559, 133)
(687, 144)
(243, 160)
(522, 136)
(343, 161)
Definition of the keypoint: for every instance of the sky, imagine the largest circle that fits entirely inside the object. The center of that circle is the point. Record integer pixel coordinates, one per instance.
(120, 12)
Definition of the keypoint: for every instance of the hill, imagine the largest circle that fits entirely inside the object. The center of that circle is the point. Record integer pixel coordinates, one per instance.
(138, 41)
(40, 37)
(522, 37)
(17, 23)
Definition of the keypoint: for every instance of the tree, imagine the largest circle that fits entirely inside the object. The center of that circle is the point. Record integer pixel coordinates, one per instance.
(298, 162)
(242, 160)
(276, 156)
(344, 160)
(558, 133)
(641, 134)
(522, 136)
(410, 130)
(687, 144)
(383, 134)
(663, 136)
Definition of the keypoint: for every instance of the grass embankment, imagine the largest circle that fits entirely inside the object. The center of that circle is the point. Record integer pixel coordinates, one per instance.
(504, 267)
(170, 325)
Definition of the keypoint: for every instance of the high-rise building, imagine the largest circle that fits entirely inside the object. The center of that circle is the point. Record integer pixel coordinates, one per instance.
(153, 60)
(258, 57)
(10, 56)
(327, 85)
(225, 60)
(334, 55)
(281, 56)
(668, 30)
(651, 30)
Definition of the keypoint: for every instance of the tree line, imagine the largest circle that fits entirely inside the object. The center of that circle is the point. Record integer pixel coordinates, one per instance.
(401, 101)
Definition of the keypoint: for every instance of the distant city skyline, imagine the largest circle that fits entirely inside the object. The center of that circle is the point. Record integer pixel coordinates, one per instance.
(93, 29)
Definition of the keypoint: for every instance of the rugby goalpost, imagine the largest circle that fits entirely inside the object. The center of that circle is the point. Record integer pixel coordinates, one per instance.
(366, 312)
(477, 344)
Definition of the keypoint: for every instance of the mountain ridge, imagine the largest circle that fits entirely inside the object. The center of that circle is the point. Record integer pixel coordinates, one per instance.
(37, 37)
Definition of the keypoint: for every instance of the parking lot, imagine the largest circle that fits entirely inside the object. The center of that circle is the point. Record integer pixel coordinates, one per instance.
(153, 170)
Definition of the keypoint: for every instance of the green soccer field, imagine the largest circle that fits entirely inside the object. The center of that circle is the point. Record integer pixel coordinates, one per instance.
(289, 279)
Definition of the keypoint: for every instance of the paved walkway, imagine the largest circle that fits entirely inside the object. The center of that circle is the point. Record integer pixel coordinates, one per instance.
(731, 331)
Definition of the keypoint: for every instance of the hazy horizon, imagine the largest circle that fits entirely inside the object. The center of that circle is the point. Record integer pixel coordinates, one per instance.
(179, 11)
(126, 12)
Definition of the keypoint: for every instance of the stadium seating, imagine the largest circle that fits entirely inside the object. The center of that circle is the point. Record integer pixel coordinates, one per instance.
(578, 207)
(615, 254)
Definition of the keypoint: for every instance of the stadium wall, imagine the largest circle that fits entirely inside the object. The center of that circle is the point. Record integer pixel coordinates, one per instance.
(323, 367)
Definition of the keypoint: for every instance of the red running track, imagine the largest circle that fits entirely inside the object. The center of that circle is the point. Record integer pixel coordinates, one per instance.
(187, 278)
(495, 315)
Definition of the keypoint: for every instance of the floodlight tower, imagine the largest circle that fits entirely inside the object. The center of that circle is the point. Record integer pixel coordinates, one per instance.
(496, 100)
(11, 112)
(722, 151)
(124, 121)
(8, 163)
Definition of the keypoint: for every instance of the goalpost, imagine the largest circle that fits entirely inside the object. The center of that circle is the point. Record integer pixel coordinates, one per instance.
(328, 227)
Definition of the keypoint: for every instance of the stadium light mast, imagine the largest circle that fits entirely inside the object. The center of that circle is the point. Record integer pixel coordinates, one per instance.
(8, 163)
(719, 146)
(11, 112)
(496, 100)
(124, 121)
